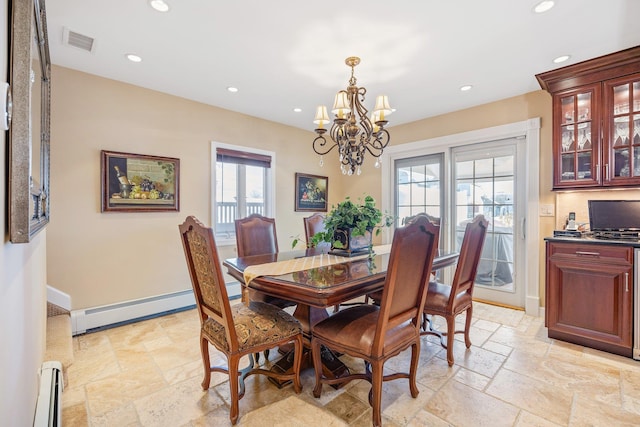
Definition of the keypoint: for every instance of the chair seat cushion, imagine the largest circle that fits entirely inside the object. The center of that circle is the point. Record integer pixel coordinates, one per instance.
(259, 323)
(438, 298)
(354, 329)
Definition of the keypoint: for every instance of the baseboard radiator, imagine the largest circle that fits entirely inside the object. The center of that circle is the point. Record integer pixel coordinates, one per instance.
(49, 404)
(91, 318)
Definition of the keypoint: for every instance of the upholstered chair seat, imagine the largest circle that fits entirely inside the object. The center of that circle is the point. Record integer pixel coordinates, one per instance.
(257, 324)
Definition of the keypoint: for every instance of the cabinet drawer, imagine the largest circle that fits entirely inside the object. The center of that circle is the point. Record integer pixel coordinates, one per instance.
(603, 253)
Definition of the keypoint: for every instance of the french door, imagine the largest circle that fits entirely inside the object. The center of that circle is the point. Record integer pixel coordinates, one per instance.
(488, 179)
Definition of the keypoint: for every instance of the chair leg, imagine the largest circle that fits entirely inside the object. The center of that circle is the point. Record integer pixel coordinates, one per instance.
(451, 331)
(204, 350)
(233, 361)
(317, 367)
(467, 326)
(376, 389)
(413, 369)
(297, 363)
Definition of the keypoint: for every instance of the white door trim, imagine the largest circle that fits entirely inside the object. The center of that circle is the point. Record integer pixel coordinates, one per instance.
(529, 224)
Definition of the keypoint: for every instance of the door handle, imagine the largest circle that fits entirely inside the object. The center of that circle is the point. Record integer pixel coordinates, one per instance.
(523, 228)
(626, 282)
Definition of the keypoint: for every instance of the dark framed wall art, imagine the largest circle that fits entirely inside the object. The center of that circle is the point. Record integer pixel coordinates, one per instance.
(139, 182)
(311, 193)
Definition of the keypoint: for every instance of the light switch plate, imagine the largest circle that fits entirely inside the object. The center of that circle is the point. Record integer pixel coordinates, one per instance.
(547, 210)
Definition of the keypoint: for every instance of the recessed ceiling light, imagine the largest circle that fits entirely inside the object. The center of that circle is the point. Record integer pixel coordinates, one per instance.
(159, 5)
(465, 88)
(543, 6)
(133, 58)
(297, 110)
(560, 59)
(232, 89)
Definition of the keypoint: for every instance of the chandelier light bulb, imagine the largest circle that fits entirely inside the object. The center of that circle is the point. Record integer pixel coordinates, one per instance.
(377, 164)
(321, 161)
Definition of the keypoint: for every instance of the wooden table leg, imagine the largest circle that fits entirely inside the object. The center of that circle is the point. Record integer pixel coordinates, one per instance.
(332, 367)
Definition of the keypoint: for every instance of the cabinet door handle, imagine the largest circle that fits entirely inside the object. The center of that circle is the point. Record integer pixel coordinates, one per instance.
(626, 282)
(606, 171)
(585, 253)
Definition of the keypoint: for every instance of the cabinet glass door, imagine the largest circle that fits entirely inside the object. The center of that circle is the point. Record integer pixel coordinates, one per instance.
(577, 162)
(623, 131)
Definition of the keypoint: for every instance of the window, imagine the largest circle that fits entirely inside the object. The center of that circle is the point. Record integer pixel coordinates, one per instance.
(419, 186)
(242, 183)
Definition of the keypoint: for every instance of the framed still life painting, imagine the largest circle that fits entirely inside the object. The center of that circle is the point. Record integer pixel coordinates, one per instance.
(139, 183)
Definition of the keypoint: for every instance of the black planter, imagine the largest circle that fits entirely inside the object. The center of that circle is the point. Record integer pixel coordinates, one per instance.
(351, 245)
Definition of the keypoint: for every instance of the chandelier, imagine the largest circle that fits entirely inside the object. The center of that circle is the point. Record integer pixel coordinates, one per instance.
(352, 131)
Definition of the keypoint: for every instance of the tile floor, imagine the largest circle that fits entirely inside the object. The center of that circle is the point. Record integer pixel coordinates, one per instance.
(149, 373)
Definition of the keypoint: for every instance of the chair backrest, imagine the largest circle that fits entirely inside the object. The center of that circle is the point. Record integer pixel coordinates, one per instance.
(256, 235)
(469, 258)
(207, 281)
(314, 224)
(412, 251)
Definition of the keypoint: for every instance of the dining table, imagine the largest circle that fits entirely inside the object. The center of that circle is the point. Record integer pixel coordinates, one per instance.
(315, 280)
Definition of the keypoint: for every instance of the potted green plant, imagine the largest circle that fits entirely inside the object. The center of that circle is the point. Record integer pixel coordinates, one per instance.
(349, 226)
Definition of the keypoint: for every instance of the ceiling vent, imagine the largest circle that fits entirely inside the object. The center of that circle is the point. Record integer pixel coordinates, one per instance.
(71, 38)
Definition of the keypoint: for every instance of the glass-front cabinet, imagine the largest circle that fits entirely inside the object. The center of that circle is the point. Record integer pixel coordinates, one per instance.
(622, 129)
(577, 136)
(596, 121)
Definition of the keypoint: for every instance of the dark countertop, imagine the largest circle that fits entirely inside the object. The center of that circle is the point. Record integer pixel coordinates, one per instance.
(634, 243)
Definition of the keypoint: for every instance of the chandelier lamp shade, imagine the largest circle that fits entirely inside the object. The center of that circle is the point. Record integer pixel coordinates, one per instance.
(352, 130)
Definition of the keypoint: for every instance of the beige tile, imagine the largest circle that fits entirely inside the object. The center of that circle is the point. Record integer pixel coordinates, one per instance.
(75, 415)
(124, 416)
(404, 408)
(118, 390)
(463, 406)
(588, 412)
(424, 418)
(527, 419)
(177, 404)
(535, 396)
(347, 407)
(472, 379)
(498, 348)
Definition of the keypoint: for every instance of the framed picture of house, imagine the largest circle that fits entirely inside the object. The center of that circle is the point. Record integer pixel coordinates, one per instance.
(139, 182)
(311, 193)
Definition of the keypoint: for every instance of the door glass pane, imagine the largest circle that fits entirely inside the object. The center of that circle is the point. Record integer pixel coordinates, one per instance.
(488, 188)
(419, 187)
(636, 96)
(584, 107)
(621, 99)
(621, 131)
(568, 138)
(568, 167)
(636, 129)
(567, 109)
(621, 162)
(584, 165)
(584, 136)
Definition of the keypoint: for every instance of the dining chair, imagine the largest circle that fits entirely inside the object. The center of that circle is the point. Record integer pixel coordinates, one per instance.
(449, 301)
(312, 225)
(256, 235)
(377, 333)
(238, 330)
(376, 296)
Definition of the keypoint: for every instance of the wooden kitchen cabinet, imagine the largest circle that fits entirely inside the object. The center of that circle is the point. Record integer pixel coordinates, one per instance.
(596, 121)
(589, 295)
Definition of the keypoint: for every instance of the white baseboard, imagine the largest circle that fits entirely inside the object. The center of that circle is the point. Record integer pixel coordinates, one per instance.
(90, 318)
(532, 306)
(58, 298)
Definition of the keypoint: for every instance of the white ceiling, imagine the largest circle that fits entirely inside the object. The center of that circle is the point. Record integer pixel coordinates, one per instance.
(283, 54)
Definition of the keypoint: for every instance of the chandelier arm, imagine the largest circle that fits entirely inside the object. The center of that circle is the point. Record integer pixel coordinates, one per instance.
(320, 145)
(379, 144)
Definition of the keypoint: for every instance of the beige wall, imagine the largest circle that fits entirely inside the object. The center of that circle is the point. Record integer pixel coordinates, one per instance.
(102, 258)
(516, 109)
(123, 256)
(22, 299)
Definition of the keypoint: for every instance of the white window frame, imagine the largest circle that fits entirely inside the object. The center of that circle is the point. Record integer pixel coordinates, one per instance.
(270, 190)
